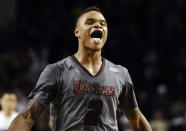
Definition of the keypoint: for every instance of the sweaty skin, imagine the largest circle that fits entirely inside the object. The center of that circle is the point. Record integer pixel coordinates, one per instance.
(26, 119)
(136, 120)
(89, 50)
(89, 55)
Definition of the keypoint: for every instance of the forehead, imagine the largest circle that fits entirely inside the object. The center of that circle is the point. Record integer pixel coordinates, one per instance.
(9, 96)
(92, 15)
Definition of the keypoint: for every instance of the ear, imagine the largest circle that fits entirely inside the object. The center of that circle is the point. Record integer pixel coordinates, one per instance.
(76, 32)
(16, 104)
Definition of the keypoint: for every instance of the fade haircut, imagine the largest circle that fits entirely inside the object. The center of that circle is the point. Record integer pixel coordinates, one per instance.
(91, 8)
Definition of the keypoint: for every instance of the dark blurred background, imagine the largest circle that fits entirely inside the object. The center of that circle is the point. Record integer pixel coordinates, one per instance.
(147, 37)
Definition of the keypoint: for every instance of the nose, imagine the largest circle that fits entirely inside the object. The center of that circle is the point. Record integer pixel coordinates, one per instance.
(97, 25)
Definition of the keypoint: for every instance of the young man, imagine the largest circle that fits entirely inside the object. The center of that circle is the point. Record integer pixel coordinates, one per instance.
(84, 90)
(8, 104)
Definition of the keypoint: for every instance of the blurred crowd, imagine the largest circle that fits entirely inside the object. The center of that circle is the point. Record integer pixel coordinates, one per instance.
(147, 37)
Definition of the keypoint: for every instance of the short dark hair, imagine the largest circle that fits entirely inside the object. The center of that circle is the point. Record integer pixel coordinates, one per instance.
(91, 8)
(7, 91)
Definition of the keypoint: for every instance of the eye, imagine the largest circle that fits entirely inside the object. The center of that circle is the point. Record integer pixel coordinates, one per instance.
(90, 22)
(102, 23)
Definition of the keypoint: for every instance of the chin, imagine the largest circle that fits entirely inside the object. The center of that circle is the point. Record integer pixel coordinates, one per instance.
(94, 46)
(94, 49)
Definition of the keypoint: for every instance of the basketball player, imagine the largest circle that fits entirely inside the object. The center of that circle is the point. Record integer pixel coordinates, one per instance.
(84, 90)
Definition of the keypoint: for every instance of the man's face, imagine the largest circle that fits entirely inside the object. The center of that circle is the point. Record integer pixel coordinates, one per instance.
(92, 31)
(9, 102)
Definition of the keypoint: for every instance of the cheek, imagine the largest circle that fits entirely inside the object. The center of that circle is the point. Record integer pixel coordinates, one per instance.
(84, 33)
(106, 31)
(105, 35)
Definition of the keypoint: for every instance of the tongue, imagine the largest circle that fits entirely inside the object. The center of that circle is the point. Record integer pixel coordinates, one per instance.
(97, 40)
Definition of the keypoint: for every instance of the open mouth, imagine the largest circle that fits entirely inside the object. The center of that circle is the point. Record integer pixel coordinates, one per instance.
(96, 34)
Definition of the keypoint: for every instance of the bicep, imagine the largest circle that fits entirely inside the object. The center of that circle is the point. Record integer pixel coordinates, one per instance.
(34, 109)
(136, 120)
(26, 119)
(133, 116)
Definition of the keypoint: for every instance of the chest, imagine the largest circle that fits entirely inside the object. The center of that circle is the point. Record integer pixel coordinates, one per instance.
(79, 82)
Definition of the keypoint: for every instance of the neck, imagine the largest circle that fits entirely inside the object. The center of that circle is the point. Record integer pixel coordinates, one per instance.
(88, 57)
(7, 113)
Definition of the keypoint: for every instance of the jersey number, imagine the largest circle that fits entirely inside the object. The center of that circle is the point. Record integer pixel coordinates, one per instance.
(92, 117)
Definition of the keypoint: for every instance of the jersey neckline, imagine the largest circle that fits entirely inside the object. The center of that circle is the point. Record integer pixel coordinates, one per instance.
(83, 68)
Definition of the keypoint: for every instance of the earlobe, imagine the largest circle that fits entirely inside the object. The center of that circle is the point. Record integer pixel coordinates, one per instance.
(76, 32)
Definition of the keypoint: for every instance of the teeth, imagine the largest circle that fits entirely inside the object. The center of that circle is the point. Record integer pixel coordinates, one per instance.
(96, 39)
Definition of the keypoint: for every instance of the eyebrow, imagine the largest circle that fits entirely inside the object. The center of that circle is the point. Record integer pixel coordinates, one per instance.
(92, 19)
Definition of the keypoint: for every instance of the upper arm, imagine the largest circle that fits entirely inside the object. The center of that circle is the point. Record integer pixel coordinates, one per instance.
(26, 119)
(133, 116)
(34, 108)
(136, 120)
(46, 86)
(127, 98)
